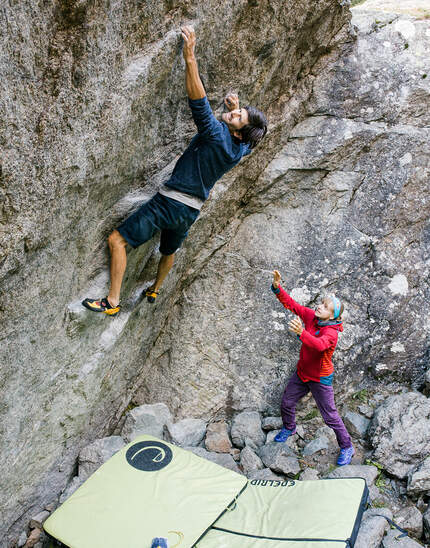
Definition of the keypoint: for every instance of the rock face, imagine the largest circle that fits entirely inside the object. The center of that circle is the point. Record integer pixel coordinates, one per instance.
(342, 206)
(93, 118)
(94, 455)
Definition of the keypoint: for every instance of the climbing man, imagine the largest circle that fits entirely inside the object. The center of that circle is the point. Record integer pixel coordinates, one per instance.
(216, 148)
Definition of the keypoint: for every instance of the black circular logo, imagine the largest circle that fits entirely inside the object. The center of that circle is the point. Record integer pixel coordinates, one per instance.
(149, 456)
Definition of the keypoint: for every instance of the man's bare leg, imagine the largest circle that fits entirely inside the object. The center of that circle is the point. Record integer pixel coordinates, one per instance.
(118, 262)
(164, 267)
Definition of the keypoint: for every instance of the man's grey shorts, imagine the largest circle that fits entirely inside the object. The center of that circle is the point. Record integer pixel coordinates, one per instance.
(173, 218)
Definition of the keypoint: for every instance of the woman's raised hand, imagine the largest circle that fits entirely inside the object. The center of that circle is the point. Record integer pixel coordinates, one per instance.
(276, 278)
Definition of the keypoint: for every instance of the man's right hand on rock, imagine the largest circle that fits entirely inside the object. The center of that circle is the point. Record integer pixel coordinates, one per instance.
(189, 37)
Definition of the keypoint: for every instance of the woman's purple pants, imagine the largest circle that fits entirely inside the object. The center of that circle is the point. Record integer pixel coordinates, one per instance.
(324, 396)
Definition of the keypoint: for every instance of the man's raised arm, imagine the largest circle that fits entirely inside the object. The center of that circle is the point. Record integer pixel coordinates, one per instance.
(195, 89)
(207, 125)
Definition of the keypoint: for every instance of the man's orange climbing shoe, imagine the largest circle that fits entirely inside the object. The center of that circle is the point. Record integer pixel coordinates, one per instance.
(101, 305)
(151, 295)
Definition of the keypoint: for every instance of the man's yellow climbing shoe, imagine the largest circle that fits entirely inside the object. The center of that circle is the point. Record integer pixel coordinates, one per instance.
(151, 295)
(101, 305)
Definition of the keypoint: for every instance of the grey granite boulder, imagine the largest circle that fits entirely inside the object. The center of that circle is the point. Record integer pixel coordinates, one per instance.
(411, 519)
(222, 459)
(394, 539)
(356, 424)
(235, 453)
(93, 456)
(368, 472)
(366, 410)
(217, 438)
(264, 474)
(187, 432)
(292, 442)
(309, 474)
(327, 432)
(427, 379)
(419, 478)
(22, 539)
(39, 519)
(400, 432)
(426, 524)
(250, 461)
(280, 458)
(271, 435)
(373, 527)
(146, 419)
(316, 445)
(247, 426)
(272, 423)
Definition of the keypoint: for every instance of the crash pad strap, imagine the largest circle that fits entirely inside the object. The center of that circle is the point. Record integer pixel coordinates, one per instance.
(394, 524)
(281, 538)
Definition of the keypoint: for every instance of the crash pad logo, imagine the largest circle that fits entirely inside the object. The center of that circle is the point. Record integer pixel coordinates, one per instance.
(149, 456)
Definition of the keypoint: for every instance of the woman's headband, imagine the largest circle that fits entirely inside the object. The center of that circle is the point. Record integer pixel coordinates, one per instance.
(336, 306)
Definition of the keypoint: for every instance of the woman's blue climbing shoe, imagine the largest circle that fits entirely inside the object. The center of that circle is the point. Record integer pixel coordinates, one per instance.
(284, 434)
(345, 456)
(159, 543)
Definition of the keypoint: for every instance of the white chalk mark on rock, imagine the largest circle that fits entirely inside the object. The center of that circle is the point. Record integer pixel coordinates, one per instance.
(399, 285)
(405, 28)
(397, 347)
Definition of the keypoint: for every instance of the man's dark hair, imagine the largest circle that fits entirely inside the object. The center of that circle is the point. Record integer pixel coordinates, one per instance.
(255, 129)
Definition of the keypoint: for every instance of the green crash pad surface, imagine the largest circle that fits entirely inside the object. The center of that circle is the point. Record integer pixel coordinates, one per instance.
(148, 489)
(292, 514)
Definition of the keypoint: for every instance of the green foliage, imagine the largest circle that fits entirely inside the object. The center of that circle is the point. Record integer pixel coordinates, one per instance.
(424, 76)
(378, 504)
(357, 2)
(373, 463)
(381, 480)
(406, 46)
(361, 395)
(311, 415)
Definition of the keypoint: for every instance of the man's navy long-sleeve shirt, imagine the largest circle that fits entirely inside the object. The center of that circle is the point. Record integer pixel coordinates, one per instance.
(212, 152)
